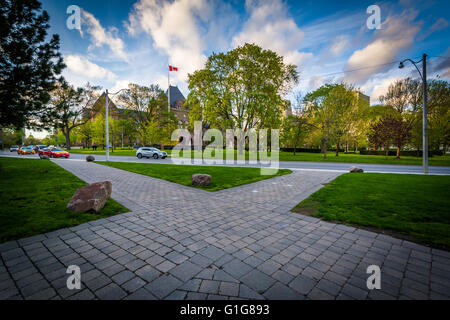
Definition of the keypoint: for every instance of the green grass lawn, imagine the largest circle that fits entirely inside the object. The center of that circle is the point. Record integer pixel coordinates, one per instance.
(221, 177)
(34, 195)
(305, 156)
(413, 206)
(99, 151)
(360, 158)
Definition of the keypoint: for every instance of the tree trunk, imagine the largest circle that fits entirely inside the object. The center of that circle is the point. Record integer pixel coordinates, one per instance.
(66, 133)
(398, 151)
(337, 149)
(324, 148)
(387, 152)
(295, 149)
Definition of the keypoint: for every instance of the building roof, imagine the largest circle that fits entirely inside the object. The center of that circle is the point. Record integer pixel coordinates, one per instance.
(175, 95)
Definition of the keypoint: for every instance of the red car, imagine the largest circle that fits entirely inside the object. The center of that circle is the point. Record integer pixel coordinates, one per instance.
(54, 153)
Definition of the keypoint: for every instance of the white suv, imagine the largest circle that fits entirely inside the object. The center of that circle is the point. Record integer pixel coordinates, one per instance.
(150, 152)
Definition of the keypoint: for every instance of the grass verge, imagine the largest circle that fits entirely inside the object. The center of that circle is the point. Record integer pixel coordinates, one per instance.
(221, 177)
(412, 207)
(306, 156)
(33, 199)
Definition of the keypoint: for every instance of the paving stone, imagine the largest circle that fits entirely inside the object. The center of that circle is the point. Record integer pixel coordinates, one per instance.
(354, 292)
(317, 294)
(45, 294)
(257, 280)
(229, 289)
(269, 267)
(163, 286)
(176, 257)
(328, 287)
(209, 286)
(110, 292)
(282, 276)
(212, 252)
(177, 295)
(280, 291)
(196, 296)
(302, 284)
(148, 273)
(133, 284)
(247, 293)
(236, 268)
(185, 271)
(123, 277)
(96, 283)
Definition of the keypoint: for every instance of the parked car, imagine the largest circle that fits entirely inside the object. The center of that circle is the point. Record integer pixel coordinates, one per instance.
(26, 150)
(54, 153)
(13, 148)
(149, 152)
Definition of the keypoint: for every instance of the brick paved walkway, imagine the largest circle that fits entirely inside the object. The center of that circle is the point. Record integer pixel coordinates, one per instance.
(241, 243)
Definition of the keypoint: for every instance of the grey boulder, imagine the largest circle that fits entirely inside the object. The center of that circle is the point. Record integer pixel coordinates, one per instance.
(201, 179)
(356, 169)
(90, 158)
(44, 157)
(91, 198)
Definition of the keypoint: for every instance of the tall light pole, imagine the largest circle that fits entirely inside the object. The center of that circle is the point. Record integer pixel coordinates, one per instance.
(107, 123)
(423, 75)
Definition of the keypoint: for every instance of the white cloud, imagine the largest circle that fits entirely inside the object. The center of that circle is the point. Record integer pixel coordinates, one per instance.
(101, 37)
(83, 67)
(397, 34)
(271, 27)
(176, 30)
(339, 44)
(379, 88)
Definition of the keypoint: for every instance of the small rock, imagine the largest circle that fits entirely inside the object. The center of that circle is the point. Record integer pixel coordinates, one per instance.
(90, 158)
(201, 179)
(44, 157)
(356, 169)
(91, 198)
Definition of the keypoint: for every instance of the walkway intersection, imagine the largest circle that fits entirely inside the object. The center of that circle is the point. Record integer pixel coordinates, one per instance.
(241, 243)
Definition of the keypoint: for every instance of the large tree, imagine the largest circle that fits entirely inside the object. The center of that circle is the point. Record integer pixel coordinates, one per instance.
(69, 108)
(146, 107)
(438, 114)
(242, 89)
(29, 64)
(335, 110)
(390, 130)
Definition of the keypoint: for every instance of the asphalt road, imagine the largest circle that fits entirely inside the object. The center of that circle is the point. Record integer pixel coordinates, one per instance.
(293, 165)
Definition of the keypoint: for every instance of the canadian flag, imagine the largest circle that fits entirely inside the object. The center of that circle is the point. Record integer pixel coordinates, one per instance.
(172, 68)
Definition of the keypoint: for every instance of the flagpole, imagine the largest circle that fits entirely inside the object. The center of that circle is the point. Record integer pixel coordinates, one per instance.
(168, 89)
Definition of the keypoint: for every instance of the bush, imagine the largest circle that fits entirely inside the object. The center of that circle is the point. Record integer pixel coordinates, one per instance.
(308, 150)
(403, 153)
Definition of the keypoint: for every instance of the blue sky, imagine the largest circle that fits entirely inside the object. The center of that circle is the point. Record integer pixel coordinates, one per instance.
(133, 41)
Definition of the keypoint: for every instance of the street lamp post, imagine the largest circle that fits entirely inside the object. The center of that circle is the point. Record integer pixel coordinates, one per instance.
(107, 124)
(423, 75)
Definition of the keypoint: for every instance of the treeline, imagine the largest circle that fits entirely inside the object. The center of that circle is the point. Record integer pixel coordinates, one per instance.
(337, 116)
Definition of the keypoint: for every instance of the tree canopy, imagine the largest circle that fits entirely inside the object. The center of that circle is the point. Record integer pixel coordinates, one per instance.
(29, 64)
(242, 88)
